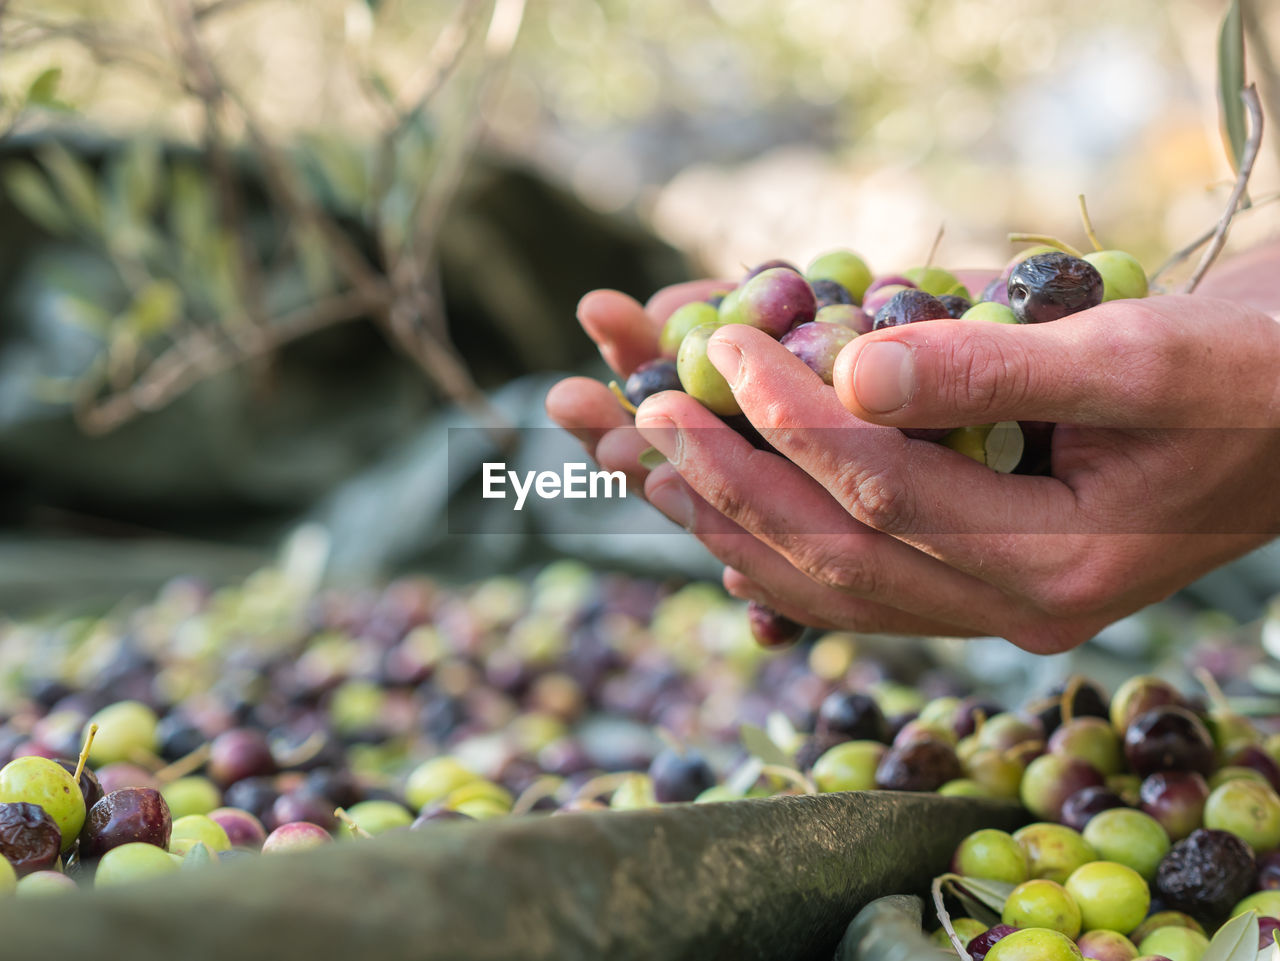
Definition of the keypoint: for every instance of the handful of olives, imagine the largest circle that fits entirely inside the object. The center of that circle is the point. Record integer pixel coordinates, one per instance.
(818, 311)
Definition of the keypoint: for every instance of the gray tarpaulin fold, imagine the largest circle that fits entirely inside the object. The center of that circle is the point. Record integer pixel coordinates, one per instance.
(775, 879)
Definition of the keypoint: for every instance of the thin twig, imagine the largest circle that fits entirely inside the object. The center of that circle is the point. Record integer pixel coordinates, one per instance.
(1180, 255)
(191, 52)
(441, 61)
(198, 356)
(1250, 96)
(218, 7)
(101, 41)
(1264, 63)
(430, 205)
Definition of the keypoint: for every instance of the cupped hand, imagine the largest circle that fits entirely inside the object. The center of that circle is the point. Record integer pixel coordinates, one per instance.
(1164, 463)
(1164, 472)
(627, 335)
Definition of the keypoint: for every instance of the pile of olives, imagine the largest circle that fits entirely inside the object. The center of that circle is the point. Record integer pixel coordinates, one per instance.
(1158, 821)
(259, 718)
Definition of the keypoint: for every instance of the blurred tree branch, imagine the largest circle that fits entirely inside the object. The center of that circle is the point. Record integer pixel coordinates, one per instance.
(159, 347)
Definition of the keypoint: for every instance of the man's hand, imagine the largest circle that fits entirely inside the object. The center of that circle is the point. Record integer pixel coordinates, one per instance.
(1164, 465)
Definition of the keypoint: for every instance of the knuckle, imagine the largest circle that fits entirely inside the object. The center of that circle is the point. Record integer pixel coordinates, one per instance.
(836, 569)
(878, 498)
(771, 416)
(731, 500)
(989, 374)
(1149, 356)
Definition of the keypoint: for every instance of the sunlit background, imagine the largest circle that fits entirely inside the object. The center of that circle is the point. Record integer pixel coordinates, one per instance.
(747, 129)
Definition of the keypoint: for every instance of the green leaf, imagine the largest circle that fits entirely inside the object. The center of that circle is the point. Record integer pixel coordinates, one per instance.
(981, 898)
(317, 266)
(29, 189)
(136, 177)
(85, 313)
(190, 206)
(1237, 940)
(944, 916)
(744, 778)
(75, 182)
(43, 91)
(155, 309)
(198, 857)
(55, 390)
(783, 733)
(344, 169)
(759, 744)
(1231, 82)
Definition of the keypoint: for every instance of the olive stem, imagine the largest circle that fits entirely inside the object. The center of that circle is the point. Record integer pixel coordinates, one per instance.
(544, 787)
(629, 407)
(1214, 690)
(1066, 706)
(1062, 245)
(604, 784)
(1179, 256)
(668, 738)
(1250, 96)
(84, 750)
(933, 249)
(792, 775)
(184, 765)
(1088, 224)
(979, 720)
(350, 822)
(312, 745)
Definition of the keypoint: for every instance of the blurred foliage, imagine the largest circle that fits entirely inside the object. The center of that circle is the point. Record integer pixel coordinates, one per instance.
(742, 129)
(204, 287)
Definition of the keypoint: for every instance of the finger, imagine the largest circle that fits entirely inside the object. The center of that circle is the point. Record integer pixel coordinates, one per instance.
(587, 409)
(1121, 364)
(868, 619)
(625, 334)
(620, 449)
(910, 489)
(791, 513)
(664, 303)
(790, 591)
(744, 589)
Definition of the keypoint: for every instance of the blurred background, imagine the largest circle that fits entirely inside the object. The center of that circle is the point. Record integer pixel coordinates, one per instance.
(258, 256)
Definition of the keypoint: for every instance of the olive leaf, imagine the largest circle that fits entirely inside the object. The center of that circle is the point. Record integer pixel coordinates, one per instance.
(1003, 446)
(155, 309)
(198, 857)
(75, 181)
(783, 733)
(43, 90)
(759, 744)
(29, 189)
(1231, 82)
(944, 916)
(651, 458)
(136, 177)
(1237, 940)
(744, 778)
(983, 899)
